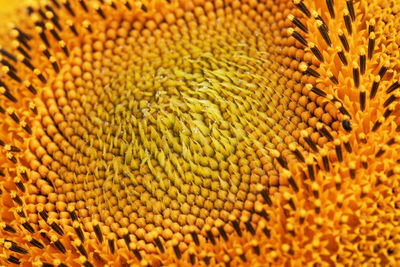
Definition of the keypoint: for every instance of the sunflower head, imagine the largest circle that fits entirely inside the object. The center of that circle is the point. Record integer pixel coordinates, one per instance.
(199, 132)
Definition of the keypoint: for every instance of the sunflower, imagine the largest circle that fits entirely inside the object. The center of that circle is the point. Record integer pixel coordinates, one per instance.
(199, 132)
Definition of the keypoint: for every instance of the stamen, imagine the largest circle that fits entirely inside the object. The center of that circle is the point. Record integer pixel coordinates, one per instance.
(356, 75)
(350, 7)
(300, 5)
(330, 4)
(363, 61)
(324, 32)
(298, 23)
(371, 45)
(347, 22)
(297, 36)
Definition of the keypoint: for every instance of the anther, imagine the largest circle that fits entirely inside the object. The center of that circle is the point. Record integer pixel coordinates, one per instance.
(221, 230)
(338, 150)
(16, 198)
(338, 182)
(7, 228)
(324, 131)
(67, 5)
(80, 247)
(128, 5)
(347, 145)
(11, 158)
(64, 48)
(324, 32)
(371, 44)
(388, 111)
(318, 91)
(210, 236)
(248, 225)
(310, 168)
(356, 74)
(72, 213)
(362, 98)
(296, 152)
(19, 184)
(302, 216)
(35, 242)
(83, 5)
(265, 229)
(256, 248)
(317, 206)
(316, 51)
(363, 61)
(384, 68)
(159, 244)
(235, 224)
(330, 4)
(347, 22)
(14, 247)
(42, 212)
(99, 11)
(53, 62)
(86, 25)
(78, 230)
(192, 256)
(352, 169)
(97, 231)
(393, 87)
(42, 35)
(290, 179)
(28, 64)
(391, 98)
(309, 141)
(300, 5)
(8, 94)
(287, 196)
(27, 226)
(13, 259)
(8, 54)
(297, 36)
(56, 227)
(264, 194)
(298, 23)
(144, 8)
(374, 88)
(279, 158)
(378, 123)
(8, 64)
(381, 151)
(136, 252)
(241, 254)
(371, 26)
(258, 207)
(176, 249)
(111, 243)
(26, 127)
(350, 7)
(71, 26)
(343, 39)
(325, 160)
(332, 77)
(40, 75)
(59, 245)
(11, 74)
(341, 55)
(195, 238)
(303, 67)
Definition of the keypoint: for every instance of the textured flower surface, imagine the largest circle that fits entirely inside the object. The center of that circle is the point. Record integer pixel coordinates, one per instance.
(196, 132)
